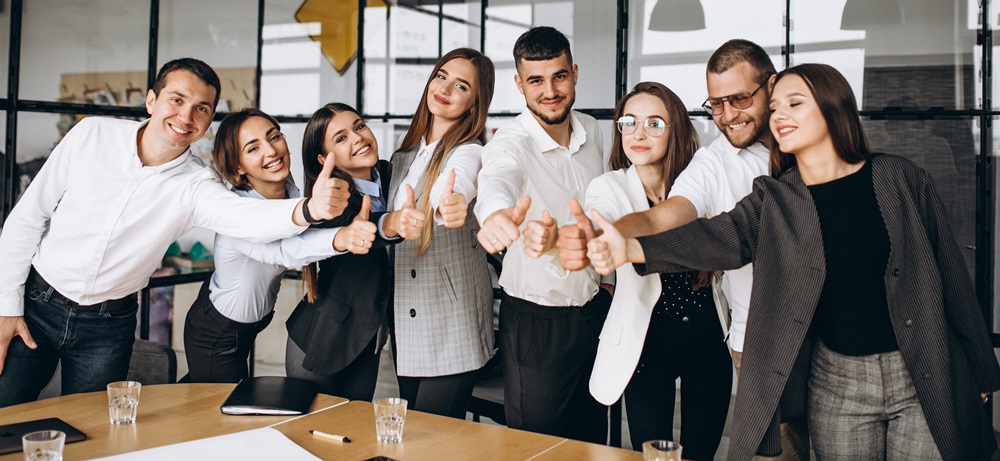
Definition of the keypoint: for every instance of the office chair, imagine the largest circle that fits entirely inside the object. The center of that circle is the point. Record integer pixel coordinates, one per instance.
(152, 363)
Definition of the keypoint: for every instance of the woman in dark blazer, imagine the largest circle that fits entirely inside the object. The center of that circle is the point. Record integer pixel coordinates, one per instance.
(858, 284)
(336, 332)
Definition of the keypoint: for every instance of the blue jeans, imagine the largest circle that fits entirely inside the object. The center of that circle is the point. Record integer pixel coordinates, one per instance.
(94, 347)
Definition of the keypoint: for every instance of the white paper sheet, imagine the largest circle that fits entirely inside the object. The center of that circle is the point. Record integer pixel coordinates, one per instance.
(258, 444)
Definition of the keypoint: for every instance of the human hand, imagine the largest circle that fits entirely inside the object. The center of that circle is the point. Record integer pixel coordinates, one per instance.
(453, 207)
(500, 229)
(572, 242)
(540, 236)
(406, 222)
(357, 237)
(9, 328)
(329, 194)
(608, 251)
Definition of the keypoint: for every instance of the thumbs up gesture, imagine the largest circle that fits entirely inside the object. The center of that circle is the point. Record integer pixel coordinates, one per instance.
(540, 236)
(453, 207)
(500, 229)
(611, 249)
(572, 242)
(359, 235)
(406, 222)
(329, 194)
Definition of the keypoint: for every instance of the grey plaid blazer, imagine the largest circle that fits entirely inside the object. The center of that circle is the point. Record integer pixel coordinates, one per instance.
(937, 320)
(443, 319)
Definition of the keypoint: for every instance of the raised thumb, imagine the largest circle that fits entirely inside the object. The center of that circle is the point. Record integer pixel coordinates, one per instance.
(366, 206)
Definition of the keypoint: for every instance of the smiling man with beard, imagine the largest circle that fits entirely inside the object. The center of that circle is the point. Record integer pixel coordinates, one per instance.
(549, 319)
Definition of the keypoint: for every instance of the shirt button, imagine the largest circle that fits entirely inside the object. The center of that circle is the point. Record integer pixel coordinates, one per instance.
(926, 375)
(684, 319)
(413, 312)
(895, 272)
(413, 273)
(908, 323)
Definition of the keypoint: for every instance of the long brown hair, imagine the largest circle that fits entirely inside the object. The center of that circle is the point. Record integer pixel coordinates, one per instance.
(682, 142)
(227, 150)
(835, 98)
(470, 127)
(312, 147)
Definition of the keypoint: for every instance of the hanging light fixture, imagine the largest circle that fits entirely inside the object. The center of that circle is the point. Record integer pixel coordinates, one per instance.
(865, 14)
(677, 16)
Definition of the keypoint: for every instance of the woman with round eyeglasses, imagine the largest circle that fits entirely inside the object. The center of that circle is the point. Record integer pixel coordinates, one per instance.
(661, 326)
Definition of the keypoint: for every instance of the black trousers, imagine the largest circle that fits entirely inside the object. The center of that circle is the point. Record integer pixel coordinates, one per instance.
(548, 354)
(694, 351)
(442, 395)
(355, 382)
(217, 348)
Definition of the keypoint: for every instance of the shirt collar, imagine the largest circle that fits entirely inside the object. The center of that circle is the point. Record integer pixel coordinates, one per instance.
(372, 187)
(425, 148)
(290, 188)
(756, 149)
(577, 136)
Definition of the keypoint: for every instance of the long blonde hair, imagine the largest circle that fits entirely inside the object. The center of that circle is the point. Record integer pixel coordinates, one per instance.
(470, 127)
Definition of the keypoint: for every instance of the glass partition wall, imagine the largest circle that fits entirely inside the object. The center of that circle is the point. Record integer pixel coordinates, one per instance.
(922, 69)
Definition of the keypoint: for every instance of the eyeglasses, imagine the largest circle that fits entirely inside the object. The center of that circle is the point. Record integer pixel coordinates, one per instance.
(716, 106)
(654, 127)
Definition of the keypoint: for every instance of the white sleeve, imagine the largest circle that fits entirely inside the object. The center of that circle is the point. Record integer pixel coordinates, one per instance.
(466, 162)
(297, 251)
(698, 182)
(29, 221)
(220, 210)
(603, 196)
(501, 181)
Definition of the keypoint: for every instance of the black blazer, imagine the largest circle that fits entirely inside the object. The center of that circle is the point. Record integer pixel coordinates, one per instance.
(354, 298)
(939, 326)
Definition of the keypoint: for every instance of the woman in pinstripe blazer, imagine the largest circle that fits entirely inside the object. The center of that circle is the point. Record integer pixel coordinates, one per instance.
(443, 306)
(864, 288)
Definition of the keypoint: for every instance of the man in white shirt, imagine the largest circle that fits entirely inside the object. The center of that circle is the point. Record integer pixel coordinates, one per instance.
(719, 176)
(94, 224)
(549, 318)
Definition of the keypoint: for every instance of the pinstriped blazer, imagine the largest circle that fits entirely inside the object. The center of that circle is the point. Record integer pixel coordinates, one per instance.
(938, 324)
(443, 319)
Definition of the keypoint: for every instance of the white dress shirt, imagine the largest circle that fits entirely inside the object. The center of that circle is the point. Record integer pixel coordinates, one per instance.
(718, 176)
(466, 161)
(522, 159)
(95, 222)
(247, 277)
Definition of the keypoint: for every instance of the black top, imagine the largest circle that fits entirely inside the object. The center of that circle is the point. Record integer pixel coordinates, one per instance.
(853, 314)
(679, 302)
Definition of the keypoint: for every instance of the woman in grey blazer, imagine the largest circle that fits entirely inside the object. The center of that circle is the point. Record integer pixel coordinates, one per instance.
(858, 281)
(442, 327)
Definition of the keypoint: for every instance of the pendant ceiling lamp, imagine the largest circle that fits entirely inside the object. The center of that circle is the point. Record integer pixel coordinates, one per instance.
(867, 14)
(677, 16)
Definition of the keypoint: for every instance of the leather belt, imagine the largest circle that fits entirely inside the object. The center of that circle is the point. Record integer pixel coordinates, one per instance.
(112, 305)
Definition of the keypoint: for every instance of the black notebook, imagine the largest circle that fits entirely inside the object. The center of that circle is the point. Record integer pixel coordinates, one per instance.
(10, 434)
(270, 395)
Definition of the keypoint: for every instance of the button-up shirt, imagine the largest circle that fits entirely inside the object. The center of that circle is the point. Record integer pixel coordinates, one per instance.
(718, 177)
(247, 275)
(95, 222)
(522, 159)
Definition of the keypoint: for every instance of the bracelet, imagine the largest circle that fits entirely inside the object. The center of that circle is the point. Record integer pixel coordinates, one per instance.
(305, 212)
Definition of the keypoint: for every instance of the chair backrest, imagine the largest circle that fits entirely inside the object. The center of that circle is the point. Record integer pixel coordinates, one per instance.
(152, 363)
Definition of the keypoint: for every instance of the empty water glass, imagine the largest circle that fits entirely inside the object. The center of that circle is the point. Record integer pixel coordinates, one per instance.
(123, 401)
(43, 445)
(661, 450)
(390, 414)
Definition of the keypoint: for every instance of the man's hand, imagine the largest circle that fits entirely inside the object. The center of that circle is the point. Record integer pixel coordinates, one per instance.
(359, 235)
(500, 229)
(406, 222)
(540, 236)
(9, 328)
(573, 239)
(608, 251)
(453, 207)
(329, 194)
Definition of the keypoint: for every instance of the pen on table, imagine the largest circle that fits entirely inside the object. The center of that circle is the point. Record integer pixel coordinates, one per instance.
(338, 438)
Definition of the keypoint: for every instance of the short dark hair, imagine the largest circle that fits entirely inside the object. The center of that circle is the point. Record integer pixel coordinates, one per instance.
(738, 50)
(195, 67)
(835, 98)
(226, 155)
(541, 44)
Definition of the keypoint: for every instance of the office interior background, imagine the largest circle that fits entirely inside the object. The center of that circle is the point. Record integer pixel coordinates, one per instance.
(922, 71)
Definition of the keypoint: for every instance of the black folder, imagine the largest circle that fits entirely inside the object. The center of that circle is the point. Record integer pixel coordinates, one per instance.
(270, 395)
(10, 434)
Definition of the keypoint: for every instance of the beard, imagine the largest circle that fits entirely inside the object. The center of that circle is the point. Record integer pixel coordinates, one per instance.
(759, 127)
(557, 118)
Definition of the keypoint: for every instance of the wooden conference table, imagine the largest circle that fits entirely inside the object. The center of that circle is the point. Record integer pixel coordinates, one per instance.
(175, 413)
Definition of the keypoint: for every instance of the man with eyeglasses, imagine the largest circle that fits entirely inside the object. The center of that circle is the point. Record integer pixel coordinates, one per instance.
(719, 175)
